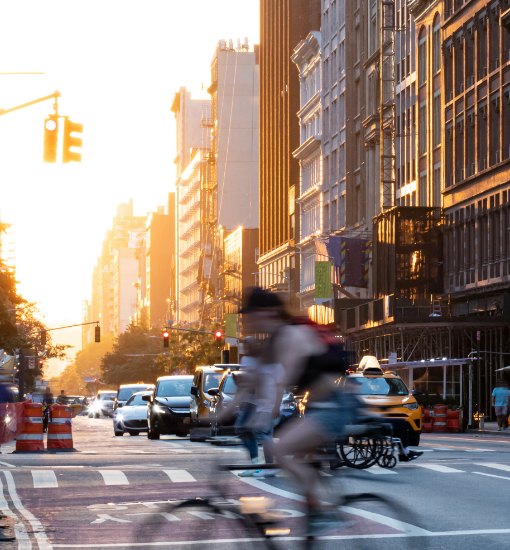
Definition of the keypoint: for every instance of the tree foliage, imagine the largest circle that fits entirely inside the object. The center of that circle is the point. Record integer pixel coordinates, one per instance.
(136, 357)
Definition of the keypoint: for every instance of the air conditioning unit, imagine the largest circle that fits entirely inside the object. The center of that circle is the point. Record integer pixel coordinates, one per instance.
(460, 40)
(483, 111)
(495, 104)
(460, 126)
(449, 47)
(471, 119)
(449, 132)
(471, 31)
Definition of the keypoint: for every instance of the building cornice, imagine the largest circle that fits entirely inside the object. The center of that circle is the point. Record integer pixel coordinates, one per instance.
(307, 50)
(307, 148)
(279, 252)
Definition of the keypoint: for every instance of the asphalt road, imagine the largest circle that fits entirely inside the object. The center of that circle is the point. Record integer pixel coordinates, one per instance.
(114, 493)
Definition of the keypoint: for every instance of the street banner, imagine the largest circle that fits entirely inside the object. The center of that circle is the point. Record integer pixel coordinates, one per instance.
(231, 325)
(323, 288)
(351, 260)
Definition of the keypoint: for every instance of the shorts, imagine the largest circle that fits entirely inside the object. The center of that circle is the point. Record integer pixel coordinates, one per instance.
(501, 411)
(332, 415)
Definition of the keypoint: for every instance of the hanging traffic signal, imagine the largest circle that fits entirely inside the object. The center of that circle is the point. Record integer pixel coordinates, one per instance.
(218, 336)
(166, 334)
(70, 141)
(40, 363)
(50, 139)
(97, 334)
(43, 338)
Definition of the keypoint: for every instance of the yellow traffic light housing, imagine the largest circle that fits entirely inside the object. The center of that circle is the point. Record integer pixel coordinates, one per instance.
(70, 141)
(50, 139)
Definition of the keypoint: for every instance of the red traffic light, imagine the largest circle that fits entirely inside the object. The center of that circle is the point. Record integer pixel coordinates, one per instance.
(218, 334)
(166, 334)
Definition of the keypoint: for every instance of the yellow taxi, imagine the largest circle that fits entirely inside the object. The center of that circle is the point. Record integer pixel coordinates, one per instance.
(206, 378)
(386, 393)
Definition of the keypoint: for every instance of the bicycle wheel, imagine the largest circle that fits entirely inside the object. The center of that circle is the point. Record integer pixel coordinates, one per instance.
(360, 452)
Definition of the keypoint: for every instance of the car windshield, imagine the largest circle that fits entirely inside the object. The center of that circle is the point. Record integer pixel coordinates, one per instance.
(381, 386)
(212, 380)
(175, 388)
(106, 396)
(230, 387)
(136, 400)
(126, 393)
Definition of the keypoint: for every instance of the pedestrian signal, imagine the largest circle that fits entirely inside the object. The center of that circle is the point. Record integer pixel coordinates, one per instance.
(71, 141)
(50, 139)
(97, 334)
(43, 338)
(166, 335)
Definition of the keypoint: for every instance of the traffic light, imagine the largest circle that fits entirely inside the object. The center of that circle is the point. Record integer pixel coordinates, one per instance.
(40, 363)
(166, 334)
(97, 334)
(43, 338)
(218, 336)
(70, 141)
(50, 139)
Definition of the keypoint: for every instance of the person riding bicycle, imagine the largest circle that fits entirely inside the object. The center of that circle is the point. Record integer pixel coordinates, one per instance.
(328, 409)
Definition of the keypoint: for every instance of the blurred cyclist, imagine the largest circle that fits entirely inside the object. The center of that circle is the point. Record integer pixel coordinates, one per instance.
(302, 353)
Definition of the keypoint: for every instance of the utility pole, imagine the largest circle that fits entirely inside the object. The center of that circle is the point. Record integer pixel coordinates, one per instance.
(21, 375)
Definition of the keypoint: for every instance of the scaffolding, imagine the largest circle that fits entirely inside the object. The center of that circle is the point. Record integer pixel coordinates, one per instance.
(387, 103)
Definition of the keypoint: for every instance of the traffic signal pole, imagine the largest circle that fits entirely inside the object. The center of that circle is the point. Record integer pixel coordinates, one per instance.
(54, 95)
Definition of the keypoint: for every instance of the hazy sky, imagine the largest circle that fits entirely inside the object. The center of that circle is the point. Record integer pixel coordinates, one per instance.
(117, 65)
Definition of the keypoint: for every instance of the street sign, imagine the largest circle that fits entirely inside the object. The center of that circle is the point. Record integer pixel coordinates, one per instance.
(31, 363)
(88, 379)
(392, 358)
(478, 335)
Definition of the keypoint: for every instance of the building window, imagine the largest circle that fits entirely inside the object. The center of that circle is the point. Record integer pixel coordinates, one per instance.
(423, 189)
(334, 221)
(422, 144)
(436, 120)
(341, 222)
(436, 186)
(436, 45)
(422, 58)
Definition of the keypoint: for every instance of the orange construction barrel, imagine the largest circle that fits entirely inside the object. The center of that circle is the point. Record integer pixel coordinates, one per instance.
(440, 412)
(60, 432)
(31, 438)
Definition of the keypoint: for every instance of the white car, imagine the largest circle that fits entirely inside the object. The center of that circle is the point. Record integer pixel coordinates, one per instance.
(132, 417)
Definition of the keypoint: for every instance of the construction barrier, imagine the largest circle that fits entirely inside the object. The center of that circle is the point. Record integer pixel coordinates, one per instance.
(439, 423)
(426, 426)
(453, 421)
(31, 438)
(60, 431)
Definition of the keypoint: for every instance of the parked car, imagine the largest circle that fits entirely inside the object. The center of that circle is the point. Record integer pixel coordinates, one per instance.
(132, 419)
(168, 410)
(205, 378)
(127, 390)
(103, 404)
(225, 393)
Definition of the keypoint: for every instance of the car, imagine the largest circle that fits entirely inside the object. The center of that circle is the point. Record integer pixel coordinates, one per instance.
(387, 394)
(225, 393)
(75, 402)
(168, 410)
(132, 419)
(127, 390)
(103, 404)
(205, 379)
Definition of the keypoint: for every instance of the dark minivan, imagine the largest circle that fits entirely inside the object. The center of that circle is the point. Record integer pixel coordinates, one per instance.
(168, 410)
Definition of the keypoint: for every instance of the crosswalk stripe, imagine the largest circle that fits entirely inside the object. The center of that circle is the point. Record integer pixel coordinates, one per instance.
(179, 476)
(44, 478)
(377, 470)
(504, 467)
(114, 477)
(441, 468)
(492, 475)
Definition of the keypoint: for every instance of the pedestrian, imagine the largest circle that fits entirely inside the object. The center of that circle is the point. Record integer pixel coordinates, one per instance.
(500, 401)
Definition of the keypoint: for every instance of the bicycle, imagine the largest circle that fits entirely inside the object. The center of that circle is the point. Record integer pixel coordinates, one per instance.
(251, 519)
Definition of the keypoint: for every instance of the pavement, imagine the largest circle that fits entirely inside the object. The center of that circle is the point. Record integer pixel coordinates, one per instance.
(118, 492)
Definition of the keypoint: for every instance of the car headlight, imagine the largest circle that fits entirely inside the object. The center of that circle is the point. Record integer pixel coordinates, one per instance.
(289, 405)
(411, 406)
(158, 409)
(119, 417)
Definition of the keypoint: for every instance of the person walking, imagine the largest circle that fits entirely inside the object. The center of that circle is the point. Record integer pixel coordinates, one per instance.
(500, 401)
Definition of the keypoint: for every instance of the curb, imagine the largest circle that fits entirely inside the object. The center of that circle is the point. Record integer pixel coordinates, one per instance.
(504, 433)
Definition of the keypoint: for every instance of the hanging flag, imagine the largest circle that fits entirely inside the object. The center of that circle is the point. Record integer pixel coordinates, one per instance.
(231, 325)
(321, 250)
(323, 288)
(351, 258)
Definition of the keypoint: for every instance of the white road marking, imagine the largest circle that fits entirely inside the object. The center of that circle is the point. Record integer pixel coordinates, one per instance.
(377, 470)
(89, 452)
(325, 474)
(179, 476)
(441, 468)
(44, 478)
(491, 475)
(245, 540)
(378, 518)
(504, 467)
(114, 477)
(8, 465)
(167, 516)
(40, 535)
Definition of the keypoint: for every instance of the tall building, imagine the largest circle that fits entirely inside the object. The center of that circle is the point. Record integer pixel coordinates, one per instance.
(218, 191)
(307, 57)
(283, 25)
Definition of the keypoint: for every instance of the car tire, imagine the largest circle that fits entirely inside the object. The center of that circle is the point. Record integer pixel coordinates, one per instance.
(414, 438)
(152, 434)
(118, 434)
(133, 432)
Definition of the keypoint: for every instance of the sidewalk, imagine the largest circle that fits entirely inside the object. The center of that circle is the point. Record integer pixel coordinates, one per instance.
(490, 428)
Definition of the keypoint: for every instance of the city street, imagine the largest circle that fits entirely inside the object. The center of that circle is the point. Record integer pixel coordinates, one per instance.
(113, 493)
